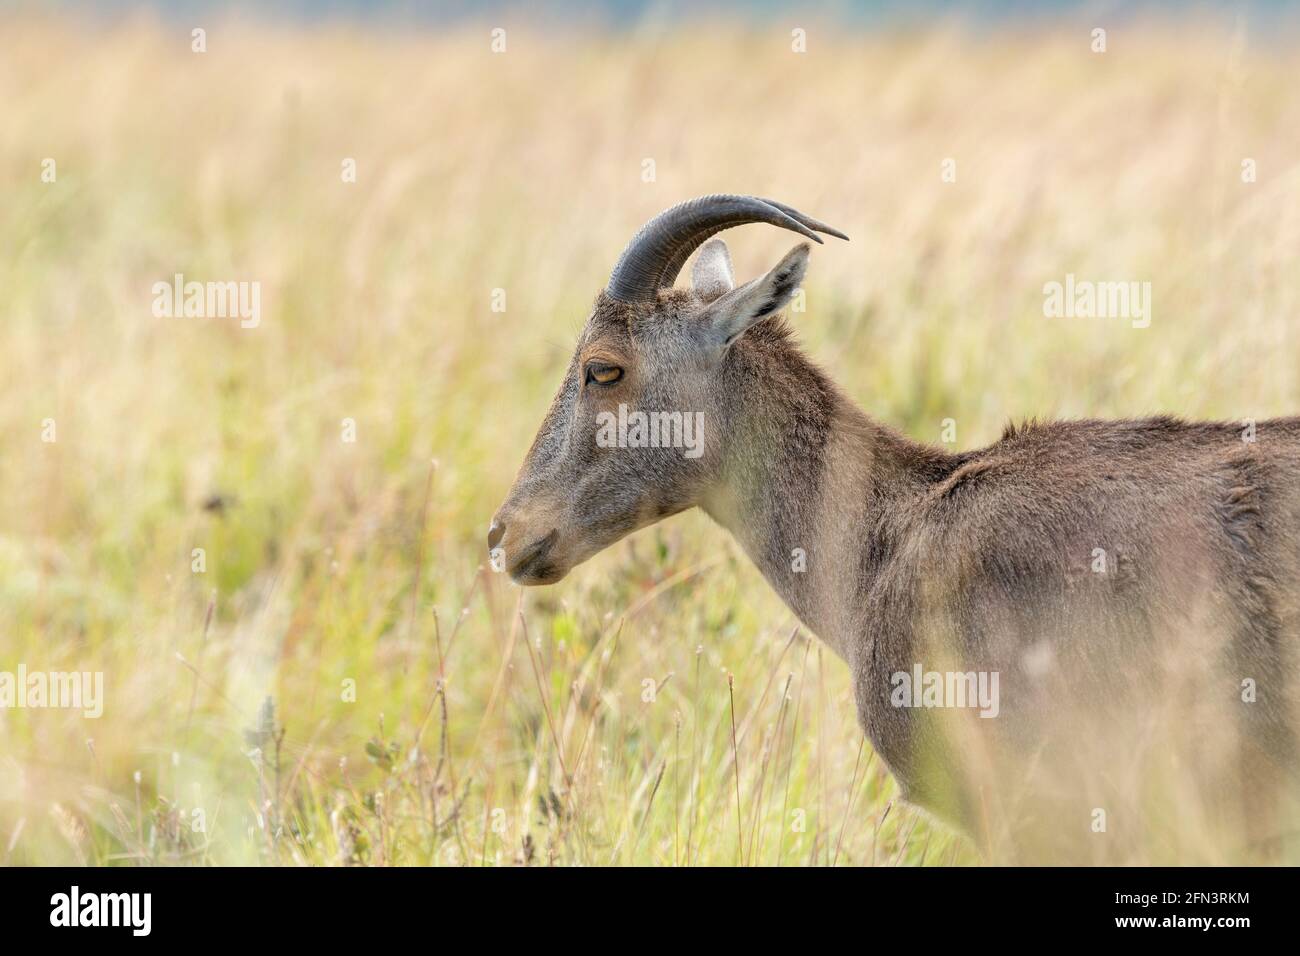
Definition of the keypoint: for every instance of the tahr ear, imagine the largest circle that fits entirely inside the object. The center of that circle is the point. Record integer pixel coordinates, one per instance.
(711, 276)
(729, 316)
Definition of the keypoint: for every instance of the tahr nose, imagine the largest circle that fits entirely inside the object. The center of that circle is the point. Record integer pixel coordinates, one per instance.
(496, 531)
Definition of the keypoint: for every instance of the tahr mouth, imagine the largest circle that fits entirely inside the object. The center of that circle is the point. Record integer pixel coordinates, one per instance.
(533, 565)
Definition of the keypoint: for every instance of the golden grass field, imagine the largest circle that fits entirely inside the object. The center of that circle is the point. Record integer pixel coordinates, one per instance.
(491, 725)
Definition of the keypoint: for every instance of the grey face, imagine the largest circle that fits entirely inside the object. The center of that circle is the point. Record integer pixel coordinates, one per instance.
(636, 430)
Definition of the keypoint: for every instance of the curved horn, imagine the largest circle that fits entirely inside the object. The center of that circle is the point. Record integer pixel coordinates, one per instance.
(658, 251)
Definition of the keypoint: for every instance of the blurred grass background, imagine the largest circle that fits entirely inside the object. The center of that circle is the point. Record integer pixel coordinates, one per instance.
(490, 725)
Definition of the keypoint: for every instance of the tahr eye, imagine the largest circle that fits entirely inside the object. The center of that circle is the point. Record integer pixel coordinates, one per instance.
(603, 374)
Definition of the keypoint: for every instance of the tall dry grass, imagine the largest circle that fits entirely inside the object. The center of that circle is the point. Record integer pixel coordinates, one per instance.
(590, 722)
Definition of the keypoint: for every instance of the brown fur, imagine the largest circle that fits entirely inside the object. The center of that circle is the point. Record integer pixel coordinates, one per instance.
(981, 560)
